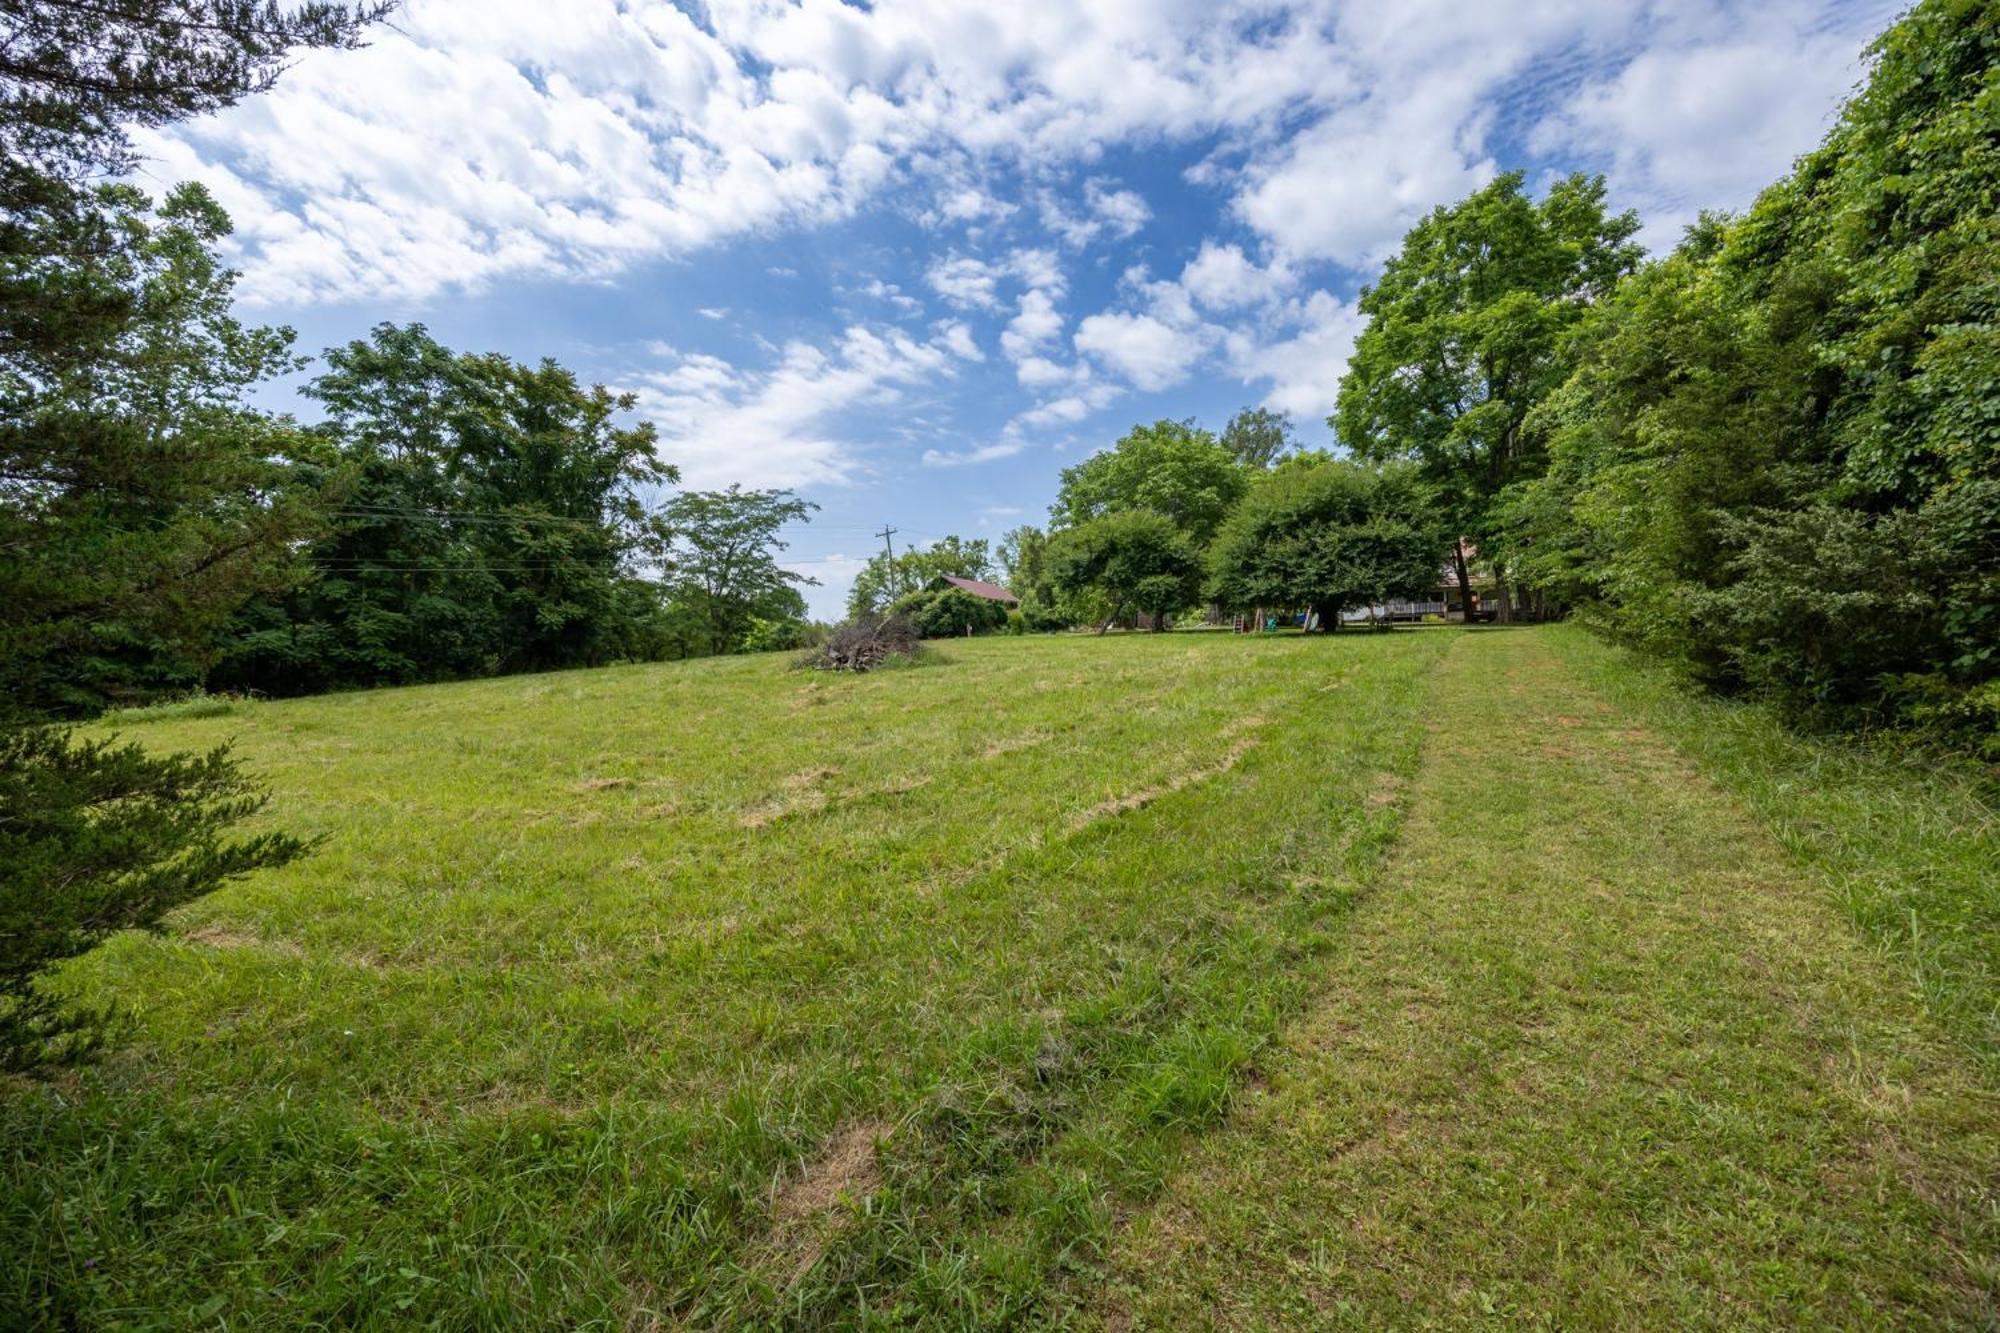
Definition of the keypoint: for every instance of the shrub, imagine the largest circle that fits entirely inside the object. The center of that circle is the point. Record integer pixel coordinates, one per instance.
(1040, 618)
(950, 613)
(98, 837)
(783, 635)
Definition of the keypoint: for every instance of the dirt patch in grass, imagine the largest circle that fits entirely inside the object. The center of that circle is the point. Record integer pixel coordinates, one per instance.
(1027, 740)
(603, 784)
(1179, 781)
(802, 794)
(806, 1209)
(222, 937)
(1388, 789)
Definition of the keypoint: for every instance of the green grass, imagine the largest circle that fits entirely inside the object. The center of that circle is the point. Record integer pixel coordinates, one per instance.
(1594, 1054)
(1425, 978)
(711, 992)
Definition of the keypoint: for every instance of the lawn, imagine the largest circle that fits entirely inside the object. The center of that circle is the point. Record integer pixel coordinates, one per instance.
(605, 987)
(1423, 979)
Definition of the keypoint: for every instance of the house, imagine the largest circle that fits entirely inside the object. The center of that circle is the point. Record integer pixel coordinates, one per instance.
(991, 592)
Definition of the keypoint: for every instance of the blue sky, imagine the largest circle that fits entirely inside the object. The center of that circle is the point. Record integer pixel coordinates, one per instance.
(912, 258)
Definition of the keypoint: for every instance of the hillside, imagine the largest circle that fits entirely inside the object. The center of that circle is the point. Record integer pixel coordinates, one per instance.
(716, 991)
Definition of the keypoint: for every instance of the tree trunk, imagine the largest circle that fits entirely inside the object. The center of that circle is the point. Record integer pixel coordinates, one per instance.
(1464, 582)
(1504, 613)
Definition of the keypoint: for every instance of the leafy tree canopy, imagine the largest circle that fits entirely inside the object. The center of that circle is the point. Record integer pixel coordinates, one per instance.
(1331, 535)
(1131, 560)
(1258, 437)
(722, 560)
(1172, 468)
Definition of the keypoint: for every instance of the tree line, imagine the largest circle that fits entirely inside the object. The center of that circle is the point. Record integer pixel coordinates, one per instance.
(1770, 457)
(449, 515)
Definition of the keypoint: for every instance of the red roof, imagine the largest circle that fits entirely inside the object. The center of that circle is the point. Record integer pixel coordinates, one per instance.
(992, 592)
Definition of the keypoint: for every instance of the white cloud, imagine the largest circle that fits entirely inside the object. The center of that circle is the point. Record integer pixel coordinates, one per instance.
(970, 284)
(986, 453)
(894, 295)
(778, 427)
(1150, 353)
(1036, 322)
(1305, 369)
(1103, 210)
(1221, 278)
(713, 311)
(1715, 109)
(956, 336)
(478, 140)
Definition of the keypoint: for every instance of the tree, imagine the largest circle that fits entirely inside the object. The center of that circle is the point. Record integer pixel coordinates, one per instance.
(140, 499)
(1129, 561)
(721, 568)
(1777, 462)
(1465, 336)
(1023, 556)
(1172, 468)
(141, 502)
(883, 580)
(1258, 437)
(1330, 536)
(491, 517)
(95, 838)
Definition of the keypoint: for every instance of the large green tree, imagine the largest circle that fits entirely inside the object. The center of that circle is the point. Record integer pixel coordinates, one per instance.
(1465, 336)
(722, 569)
(1127, 561)
(1778, 461)
(1330, 536)
(140, 499)
(489, 516)
(1172, 468)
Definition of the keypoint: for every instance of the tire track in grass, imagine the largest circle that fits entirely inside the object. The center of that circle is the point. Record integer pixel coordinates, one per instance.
(1592, 1055)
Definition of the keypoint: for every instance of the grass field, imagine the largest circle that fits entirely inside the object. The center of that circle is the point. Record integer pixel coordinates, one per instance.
(1060, 981)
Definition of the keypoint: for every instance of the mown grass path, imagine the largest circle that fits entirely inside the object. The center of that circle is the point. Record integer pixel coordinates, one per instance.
(1592, 1054)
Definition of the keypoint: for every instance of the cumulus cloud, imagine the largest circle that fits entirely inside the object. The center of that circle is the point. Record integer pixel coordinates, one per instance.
(1714, 107)
(779, 426)
(1304, 369)
(473, 142)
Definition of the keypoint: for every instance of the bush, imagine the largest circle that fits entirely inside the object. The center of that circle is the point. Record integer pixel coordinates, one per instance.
(95, 838)
(950, 613)
(781, 635)
(1039, 618)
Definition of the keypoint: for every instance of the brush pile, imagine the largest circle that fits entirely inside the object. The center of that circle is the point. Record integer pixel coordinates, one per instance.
(864, 645)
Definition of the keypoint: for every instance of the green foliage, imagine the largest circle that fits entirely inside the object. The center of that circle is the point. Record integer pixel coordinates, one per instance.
(1330, 536)
(95, 838)
(1775, 463)
(1258, 437)
(1172, 468)
(143, 501)
(1132, 560)
(1466, 335)
(1023, 556)
(882, 580)
(488, 516)
(722, 562)
(950, 613)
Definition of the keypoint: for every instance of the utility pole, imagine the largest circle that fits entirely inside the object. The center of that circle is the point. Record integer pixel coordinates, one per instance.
(885, 534)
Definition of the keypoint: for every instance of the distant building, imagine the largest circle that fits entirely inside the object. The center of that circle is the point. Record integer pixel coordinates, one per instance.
(991, 592)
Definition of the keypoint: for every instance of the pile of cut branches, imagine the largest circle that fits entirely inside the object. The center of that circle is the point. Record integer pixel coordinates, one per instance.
(865, 644)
